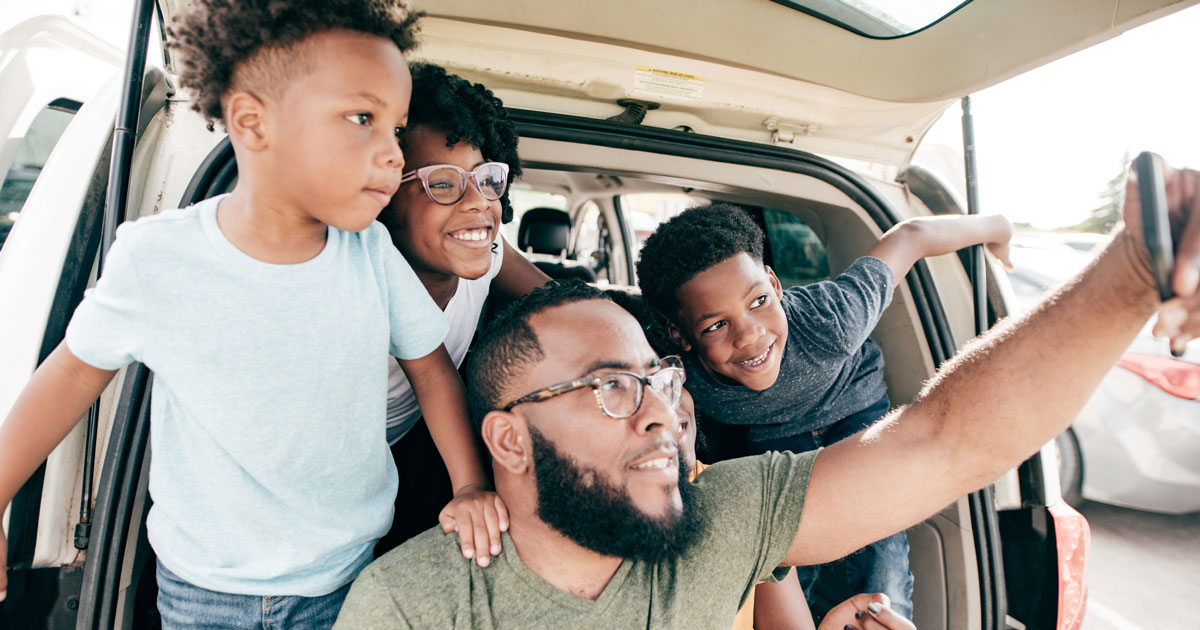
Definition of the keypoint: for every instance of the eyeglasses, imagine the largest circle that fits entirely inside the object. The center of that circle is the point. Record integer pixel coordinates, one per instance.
(447, 183)
(619, 394)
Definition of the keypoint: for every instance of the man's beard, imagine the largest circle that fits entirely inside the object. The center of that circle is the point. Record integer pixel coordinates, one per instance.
(586, 508)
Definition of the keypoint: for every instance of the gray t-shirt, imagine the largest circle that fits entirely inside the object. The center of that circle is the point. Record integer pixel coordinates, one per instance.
(750, 509)
(830, 369)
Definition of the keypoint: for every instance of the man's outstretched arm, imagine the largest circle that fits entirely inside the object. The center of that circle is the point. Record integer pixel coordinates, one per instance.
(1000, 399)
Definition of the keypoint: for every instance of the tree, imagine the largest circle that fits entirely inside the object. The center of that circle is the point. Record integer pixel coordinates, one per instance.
(1108, 214)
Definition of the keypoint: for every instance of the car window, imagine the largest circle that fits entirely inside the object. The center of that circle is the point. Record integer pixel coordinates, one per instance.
(794, 251)
(593, 243)
(878, 18)
(30, 155)
(646, 211)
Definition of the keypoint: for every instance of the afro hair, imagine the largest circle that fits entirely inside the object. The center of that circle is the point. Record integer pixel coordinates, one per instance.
(690, 243)
(218, 37)
(467, 112)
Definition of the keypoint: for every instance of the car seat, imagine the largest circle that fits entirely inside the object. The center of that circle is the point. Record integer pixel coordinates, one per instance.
(543, 235)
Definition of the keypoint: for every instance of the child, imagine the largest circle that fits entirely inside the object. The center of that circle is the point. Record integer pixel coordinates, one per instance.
(769, 606)
(449, 232)
(703, 269)
(266, 315)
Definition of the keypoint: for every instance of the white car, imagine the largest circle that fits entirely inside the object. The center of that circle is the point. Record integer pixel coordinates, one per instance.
(807, 113)
(1136, 443)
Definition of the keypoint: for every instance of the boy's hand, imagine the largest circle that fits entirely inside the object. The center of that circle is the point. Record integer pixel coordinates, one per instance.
(478, 515)
(865, 611)
(1001, 250)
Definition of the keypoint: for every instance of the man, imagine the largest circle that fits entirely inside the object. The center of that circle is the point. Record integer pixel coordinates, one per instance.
(603, 532)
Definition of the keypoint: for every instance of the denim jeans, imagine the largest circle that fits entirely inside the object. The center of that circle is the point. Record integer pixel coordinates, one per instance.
(881, 567)
(183, 605)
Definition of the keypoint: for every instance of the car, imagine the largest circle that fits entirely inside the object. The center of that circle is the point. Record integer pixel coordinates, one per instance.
(1136, 443)
(807, 114)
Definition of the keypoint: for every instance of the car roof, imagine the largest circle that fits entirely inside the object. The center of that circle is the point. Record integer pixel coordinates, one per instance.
(755, 69)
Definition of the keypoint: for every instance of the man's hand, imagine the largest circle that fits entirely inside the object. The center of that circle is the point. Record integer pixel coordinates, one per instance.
(1178, 318)
(478, 515)
(865, 611)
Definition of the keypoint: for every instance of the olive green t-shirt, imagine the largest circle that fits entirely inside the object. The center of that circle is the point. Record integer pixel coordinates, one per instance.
(750, 511)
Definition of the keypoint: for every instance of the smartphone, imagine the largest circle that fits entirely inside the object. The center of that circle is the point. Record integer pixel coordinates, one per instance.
(1156, 227)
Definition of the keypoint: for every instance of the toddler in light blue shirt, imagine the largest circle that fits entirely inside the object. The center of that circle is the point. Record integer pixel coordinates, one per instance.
(267, 316)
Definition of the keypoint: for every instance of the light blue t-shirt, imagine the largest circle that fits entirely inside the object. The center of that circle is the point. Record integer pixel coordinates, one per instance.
(270, 472)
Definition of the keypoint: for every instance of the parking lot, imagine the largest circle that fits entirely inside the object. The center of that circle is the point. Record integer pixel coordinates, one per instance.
(1143, 570)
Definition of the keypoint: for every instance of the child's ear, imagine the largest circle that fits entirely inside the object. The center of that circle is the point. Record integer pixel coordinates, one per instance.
(678, 336)
(245, 120)
(774, 281)
(504, 435)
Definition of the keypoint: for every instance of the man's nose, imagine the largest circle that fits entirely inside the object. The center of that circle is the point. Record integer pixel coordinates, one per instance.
(656, 413)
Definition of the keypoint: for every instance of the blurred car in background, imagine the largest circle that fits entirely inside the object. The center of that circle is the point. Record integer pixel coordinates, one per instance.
(1136, 443)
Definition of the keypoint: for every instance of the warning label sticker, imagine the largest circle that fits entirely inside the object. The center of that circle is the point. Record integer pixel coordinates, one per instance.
(658, 83)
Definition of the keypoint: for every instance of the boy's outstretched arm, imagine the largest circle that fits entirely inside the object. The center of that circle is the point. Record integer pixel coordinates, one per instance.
(914, 239)
(1004, 396)
(56, 397)
(476, 512)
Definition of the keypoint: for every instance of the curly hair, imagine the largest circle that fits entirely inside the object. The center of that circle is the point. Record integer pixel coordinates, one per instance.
(223, 40)
(509, 347)
(467, 112)
(690, 243)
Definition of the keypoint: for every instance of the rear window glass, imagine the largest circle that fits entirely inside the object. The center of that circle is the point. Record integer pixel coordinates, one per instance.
(31, 153)
(794, 251)
(523, 199)
(878, 18)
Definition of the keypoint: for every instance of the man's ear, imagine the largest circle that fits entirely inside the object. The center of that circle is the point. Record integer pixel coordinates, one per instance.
(774, 281)
(245, 120)
(678, 336)
(506, 438)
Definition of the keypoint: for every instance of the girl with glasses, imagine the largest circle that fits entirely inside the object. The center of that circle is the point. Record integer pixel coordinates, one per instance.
(460, 153)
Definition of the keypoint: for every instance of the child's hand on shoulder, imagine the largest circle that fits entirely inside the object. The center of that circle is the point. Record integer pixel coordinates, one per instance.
(478, 515)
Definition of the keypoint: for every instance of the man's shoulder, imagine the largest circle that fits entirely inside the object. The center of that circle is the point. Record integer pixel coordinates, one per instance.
(422, 567)
(433, 551)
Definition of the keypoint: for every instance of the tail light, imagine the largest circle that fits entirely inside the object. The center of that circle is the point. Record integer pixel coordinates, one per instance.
(1177, 378)
(1072, 537)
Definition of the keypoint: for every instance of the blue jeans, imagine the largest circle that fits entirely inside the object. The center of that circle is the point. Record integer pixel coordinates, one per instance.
(184, 605)
(881, 567)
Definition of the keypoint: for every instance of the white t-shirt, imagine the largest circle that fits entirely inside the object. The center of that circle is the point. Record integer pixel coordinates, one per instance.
(268, 475)
(463, 312)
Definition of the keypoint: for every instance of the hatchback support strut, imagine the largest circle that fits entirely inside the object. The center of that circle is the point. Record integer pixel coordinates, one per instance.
(115, 203)
(988, 555)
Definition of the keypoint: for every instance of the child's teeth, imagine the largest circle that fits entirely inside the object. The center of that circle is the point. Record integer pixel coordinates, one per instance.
(470, 235)
(758, 359)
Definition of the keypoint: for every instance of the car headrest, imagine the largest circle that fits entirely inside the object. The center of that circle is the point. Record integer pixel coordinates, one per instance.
(544, 231)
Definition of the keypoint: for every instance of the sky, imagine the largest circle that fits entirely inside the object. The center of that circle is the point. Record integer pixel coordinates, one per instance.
(1047, 142)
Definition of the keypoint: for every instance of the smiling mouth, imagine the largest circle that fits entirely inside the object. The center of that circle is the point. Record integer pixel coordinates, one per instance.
(659, 463)
(758, 360)
(471, 234)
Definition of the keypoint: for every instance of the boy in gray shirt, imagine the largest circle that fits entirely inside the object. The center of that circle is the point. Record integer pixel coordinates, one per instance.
(704, 270)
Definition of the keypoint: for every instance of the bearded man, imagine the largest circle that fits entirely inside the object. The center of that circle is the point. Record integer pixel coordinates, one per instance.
(578, 414)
